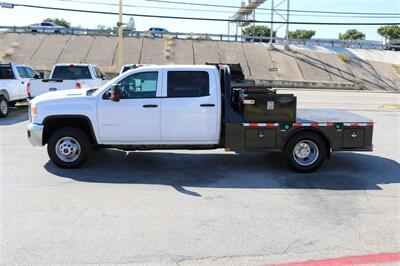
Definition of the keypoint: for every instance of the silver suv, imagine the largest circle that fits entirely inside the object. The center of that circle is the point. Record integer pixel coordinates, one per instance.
(158, 32)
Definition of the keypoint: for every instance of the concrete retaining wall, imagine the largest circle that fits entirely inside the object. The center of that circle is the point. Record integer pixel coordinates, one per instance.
(76, 50)
(49, 51)
(318, 65)
(103, 51)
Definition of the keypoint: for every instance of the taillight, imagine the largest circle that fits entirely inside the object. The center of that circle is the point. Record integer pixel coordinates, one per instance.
(28, 89)
(78, 85)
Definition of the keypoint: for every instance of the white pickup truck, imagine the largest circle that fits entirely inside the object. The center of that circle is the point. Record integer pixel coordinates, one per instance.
(14, 82)
(68, 76)
(189, 107)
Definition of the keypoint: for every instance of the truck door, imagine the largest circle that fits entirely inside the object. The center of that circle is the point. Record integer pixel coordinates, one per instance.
(190, 107)
(136, 117)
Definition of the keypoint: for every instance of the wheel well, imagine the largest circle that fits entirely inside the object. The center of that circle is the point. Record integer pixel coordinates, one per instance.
(4, 93)
(308, 130)
(52, 124)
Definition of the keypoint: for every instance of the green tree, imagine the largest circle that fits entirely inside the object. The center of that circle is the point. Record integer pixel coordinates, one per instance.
(59, 22)
(258, 30)
(389, 32)
(352, 34)
(301, 34)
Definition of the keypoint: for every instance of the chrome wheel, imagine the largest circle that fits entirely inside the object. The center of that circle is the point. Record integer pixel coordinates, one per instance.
(3, 106)
(305, 152)
(68, 149)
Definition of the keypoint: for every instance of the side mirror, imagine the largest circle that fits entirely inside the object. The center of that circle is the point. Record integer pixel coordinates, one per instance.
(115, 93)
(41, 75)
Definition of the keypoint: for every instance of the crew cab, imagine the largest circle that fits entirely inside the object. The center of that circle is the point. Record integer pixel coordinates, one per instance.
(189, 107)
(68, 76)
(14, 81)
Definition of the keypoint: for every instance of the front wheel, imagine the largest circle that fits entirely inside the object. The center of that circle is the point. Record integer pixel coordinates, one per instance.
(68, 147)
(306, 152)
(4, 107)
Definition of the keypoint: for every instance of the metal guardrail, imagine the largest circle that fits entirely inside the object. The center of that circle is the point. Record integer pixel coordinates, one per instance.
(366, 44)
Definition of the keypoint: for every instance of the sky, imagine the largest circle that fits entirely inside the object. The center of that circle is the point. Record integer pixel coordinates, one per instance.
(21, 16)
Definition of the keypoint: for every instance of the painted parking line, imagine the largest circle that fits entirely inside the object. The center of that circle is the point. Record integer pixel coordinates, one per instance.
(350, 260)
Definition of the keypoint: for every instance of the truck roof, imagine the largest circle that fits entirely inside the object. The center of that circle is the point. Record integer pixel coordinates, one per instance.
(73, 64)
(206, 67)
(16, 65)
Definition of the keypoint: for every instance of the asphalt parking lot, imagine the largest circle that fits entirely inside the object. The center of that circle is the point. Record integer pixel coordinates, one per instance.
(202, 207)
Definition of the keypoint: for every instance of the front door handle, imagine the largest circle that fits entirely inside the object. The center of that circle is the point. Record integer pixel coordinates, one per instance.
(150, 106)
(207, 105)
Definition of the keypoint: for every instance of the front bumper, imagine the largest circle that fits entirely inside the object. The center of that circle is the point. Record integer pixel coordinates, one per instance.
(35, 134)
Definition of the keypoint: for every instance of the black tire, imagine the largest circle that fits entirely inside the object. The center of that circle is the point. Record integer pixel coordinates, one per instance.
(4, 107)
(77, 135)
(318, 150)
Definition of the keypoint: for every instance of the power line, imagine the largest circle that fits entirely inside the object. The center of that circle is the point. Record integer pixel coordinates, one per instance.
(206, 19)
(220, 11)
(292, 10)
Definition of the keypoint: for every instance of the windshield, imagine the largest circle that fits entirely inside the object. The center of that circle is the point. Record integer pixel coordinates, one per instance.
(71, 72)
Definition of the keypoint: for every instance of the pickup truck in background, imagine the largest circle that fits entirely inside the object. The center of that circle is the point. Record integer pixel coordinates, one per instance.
(190, 107)
(127, 67)
(14, 83)
(66, 77)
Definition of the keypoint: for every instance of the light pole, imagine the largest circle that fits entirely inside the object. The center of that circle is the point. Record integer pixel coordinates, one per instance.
(120, 37)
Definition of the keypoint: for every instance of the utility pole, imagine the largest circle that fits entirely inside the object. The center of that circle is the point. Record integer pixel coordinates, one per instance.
(120, 37)
(271, 36)
(287, 22)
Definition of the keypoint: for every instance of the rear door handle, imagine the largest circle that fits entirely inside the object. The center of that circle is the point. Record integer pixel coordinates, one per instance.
(150, 106)
(207, 105)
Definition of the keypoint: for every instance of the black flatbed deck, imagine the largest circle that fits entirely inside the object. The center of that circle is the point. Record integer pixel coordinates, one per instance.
(343, 130)
(329, 115)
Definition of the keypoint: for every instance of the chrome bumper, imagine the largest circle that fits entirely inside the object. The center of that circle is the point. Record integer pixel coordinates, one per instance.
(35, 134)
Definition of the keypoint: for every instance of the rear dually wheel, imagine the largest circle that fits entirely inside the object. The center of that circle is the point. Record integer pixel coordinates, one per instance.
(306, 151)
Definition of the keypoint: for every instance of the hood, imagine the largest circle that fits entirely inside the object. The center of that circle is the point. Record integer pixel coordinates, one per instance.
(60, 94)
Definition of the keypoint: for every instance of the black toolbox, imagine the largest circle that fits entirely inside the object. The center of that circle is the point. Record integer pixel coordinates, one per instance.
(264, 106)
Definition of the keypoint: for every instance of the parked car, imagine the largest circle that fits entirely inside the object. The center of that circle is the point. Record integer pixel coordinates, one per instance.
(258, 38)
(14, 83)
(48, 27)
(158, 32)
(393, 45)
(189, 107)
(132, 66)
(68, 76)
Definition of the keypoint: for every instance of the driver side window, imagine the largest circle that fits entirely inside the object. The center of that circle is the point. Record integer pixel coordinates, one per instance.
(139, 85)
